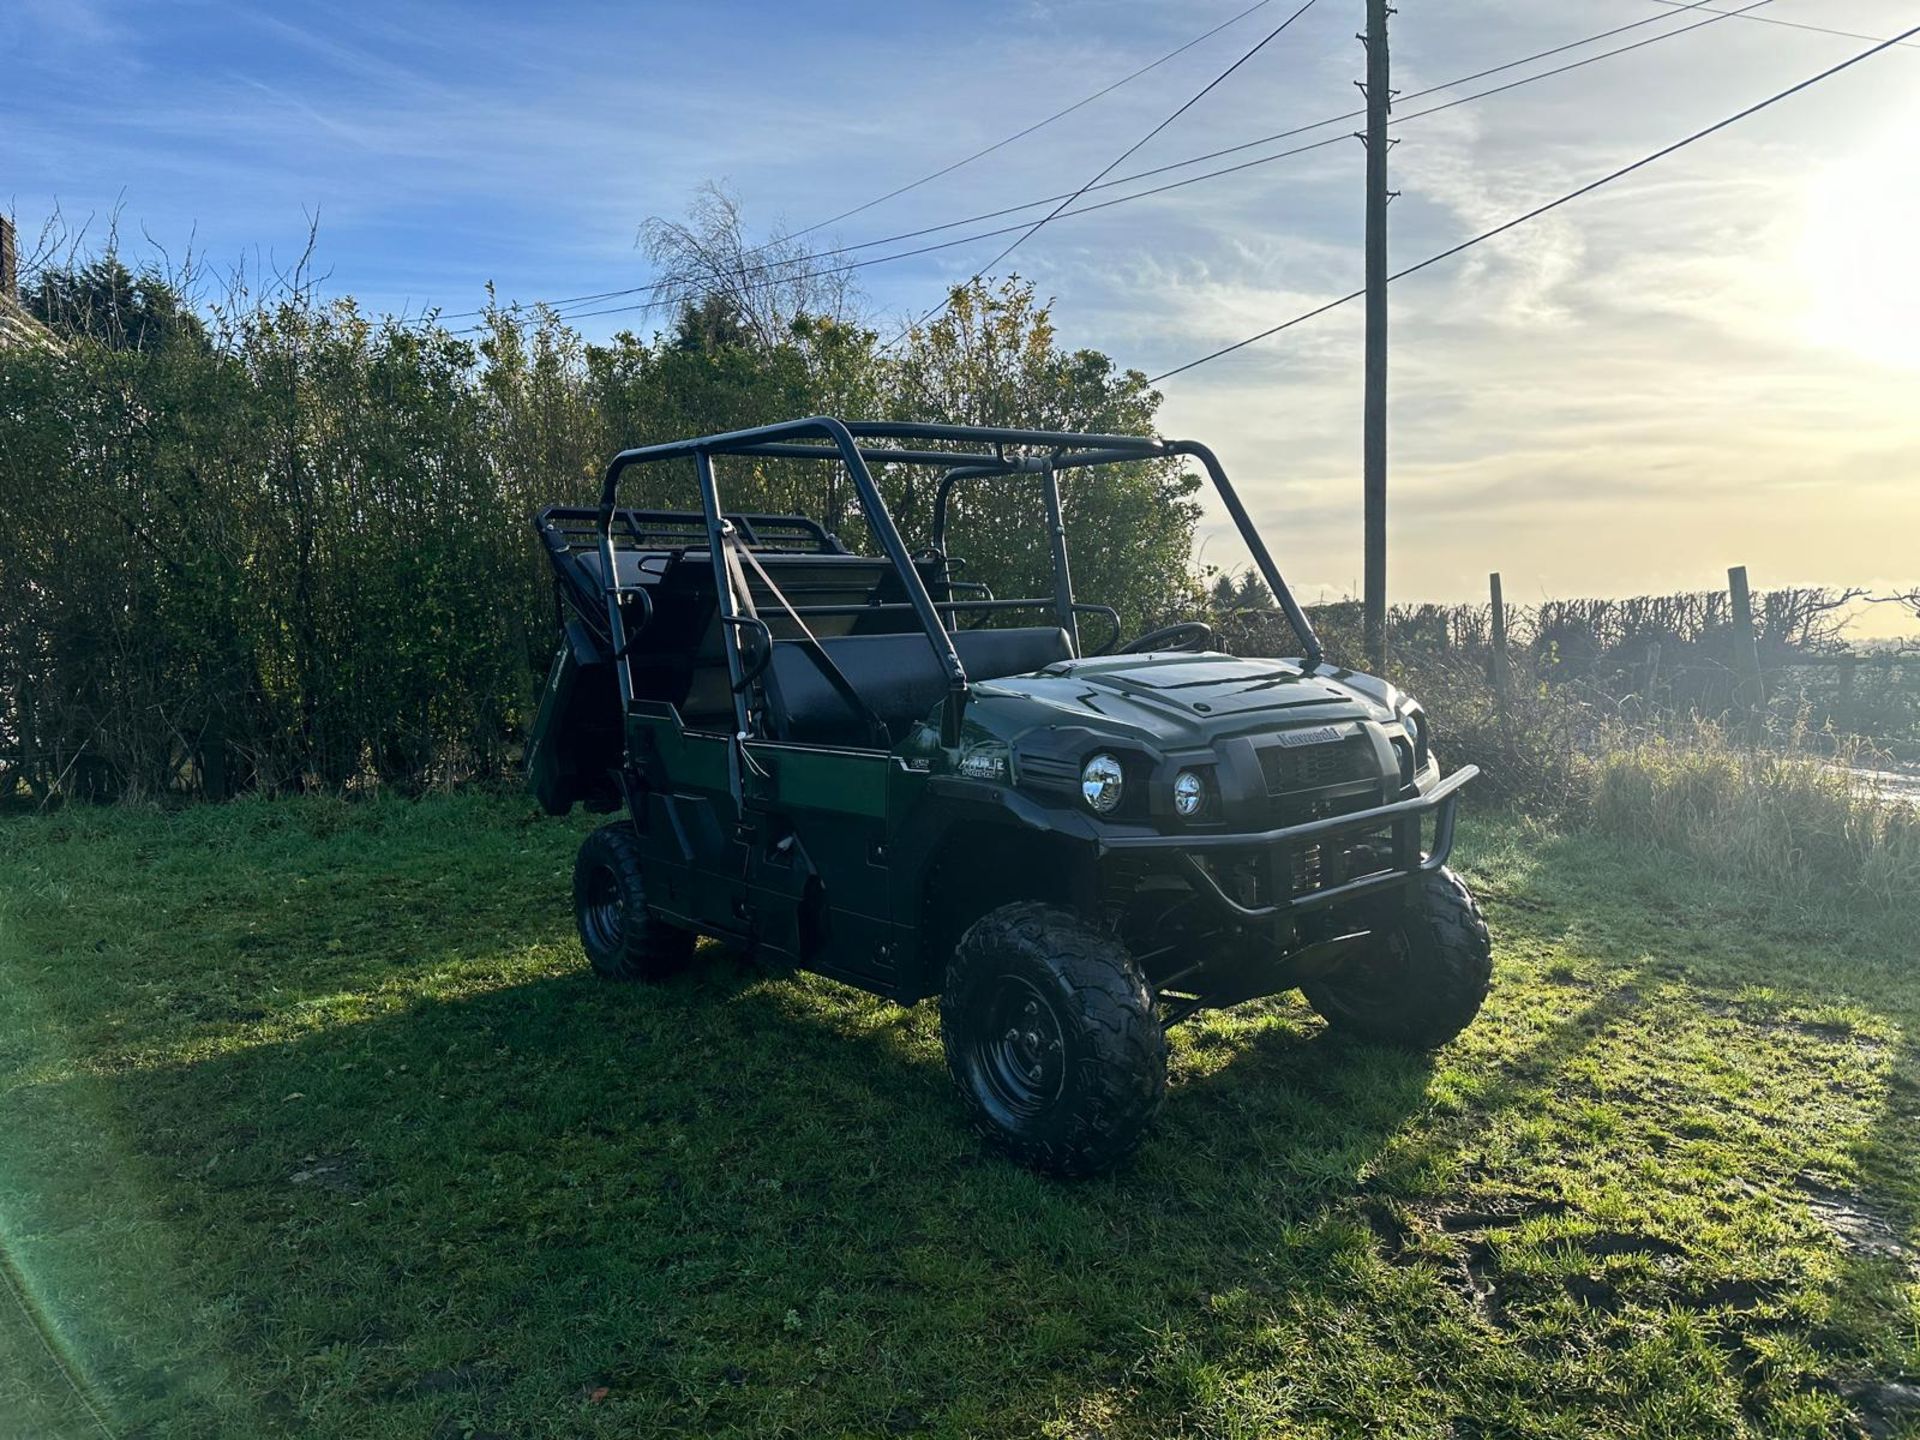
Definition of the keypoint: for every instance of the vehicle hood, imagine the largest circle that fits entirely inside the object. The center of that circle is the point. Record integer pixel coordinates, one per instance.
(1179, 699)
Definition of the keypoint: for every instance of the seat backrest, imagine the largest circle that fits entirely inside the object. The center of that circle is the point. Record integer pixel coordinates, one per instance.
(996, 654)
(898, 677)
(678, 656)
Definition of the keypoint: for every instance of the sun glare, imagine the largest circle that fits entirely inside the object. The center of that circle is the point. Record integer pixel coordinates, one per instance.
(1861, 233)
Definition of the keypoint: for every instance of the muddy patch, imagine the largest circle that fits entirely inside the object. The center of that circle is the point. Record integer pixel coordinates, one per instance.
(1462, 1243)
(1603, 1243)
(1475, 1277)
(1770, 1017)
(1592, 1293)
(1854, 1222)
(1884, 1408)
(335, 1174)
(1498, 1216)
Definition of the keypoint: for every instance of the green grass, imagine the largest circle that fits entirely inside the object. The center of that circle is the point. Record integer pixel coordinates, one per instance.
(312, 1122)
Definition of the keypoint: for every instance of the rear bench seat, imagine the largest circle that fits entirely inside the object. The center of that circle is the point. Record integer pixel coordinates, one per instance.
(678, 656)
(897, 675)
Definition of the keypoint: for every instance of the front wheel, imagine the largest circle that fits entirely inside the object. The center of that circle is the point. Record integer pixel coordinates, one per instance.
(1051, 1039)
(1422, 979)
(623, 939)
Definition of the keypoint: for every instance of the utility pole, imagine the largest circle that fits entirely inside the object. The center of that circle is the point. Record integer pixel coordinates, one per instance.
(1374, 445)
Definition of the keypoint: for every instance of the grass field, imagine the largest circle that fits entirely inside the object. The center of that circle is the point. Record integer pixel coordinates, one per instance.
(312, 1122)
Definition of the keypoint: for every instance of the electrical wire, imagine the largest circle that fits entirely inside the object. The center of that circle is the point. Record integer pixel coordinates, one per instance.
(1022, 134)
(1792, 24)
(1554, 204)
(1316, 125)
(1117, 160)
(655, 287)
(1188, 180)
(945, 170)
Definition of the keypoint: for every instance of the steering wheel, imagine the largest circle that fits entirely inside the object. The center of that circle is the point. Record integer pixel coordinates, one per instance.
(1187, 635)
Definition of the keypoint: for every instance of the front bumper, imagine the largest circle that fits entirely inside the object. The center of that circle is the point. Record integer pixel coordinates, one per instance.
(1405, 860)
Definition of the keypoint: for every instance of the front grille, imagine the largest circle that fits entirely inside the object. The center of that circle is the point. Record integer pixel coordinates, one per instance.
(1299, 809)
(1308, 866)
(1313, 767)
(1046, 772)
(1321, 864)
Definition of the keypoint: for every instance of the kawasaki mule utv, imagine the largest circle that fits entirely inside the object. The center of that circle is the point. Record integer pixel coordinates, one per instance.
(841, 760)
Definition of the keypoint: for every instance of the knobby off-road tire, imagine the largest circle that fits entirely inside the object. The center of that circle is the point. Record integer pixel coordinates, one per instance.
(622, 938)
(1051, 1039)
(1422, 981)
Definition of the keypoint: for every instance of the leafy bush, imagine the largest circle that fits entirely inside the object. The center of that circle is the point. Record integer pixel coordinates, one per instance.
(286, 546)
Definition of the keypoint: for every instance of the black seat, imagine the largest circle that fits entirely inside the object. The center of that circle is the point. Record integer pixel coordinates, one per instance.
(996, 654)
(678, 657)
(898, 676)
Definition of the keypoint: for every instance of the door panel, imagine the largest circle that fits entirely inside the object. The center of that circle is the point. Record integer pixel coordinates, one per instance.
(817, 873)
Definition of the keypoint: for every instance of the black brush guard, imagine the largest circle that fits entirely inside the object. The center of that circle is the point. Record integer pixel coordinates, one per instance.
(1407, 860)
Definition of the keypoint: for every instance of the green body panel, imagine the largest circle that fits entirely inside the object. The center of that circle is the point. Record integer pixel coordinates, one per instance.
(575, 742)
(1176, 700)
(861, 864)
(846, 782)
(695, 760)
(548, 768)
(1254, 796)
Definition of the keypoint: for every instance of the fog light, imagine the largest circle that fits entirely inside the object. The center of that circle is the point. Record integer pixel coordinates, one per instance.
(1189, 793)
(1101, 779)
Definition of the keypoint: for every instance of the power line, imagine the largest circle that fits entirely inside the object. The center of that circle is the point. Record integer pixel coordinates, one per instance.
(1655, 19)
(1027, 230)
(1188, 180)
(1311, 126)
(1022, 134)
(1555, 204)
(944, 170)
(1675, 7)
(1114, 163)
(655, 287)
(1341, 118)
(1791, 24)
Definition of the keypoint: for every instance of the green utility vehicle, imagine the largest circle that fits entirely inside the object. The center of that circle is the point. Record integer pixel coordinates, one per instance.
(846, 762)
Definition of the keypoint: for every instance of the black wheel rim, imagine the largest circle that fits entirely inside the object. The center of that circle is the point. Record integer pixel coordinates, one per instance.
(1368, 987)
(1017, 1057)
(603, 913)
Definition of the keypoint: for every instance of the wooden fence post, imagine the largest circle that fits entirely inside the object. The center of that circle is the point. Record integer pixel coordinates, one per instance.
(1746, 653)
(1843, 708)
(1502, 665)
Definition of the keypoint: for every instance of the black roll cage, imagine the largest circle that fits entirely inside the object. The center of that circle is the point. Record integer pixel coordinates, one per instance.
(798, 440)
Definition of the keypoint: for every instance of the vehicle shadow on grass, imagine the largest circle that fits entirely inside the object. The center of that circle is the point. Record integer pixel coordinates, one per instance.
(729, 1201)
(742, 1203)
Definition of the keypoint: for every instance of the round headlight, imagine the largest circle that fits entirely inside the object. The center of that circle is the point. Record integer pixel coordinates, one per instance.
(1189, 793)
(1101, 779)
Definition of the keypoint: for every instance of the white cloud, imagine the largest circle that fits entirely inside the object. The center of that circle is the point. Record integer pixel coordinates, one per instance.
(1700, 364)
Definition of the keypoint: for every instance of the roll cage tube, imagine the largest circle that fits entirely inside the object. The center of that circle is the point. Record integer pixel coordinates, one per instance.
(1066, 610)
(1063, 450)
(1138, 450)
(873, 510)
(1256, 547)
(727, 594)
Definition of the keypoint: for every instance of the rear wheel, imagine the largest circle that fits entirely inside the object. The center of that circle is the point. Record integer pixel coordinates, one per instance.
(1422, 980)
(1051, 1039)
(623, 939)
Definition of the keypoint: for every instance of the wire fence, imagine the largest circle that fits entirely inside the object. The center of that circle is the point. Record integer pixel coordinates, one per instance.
(1533, 693)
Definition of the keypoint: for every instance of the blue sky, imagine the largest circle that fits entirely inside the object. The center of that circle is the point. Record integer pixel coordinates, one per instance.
(1715, 362)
